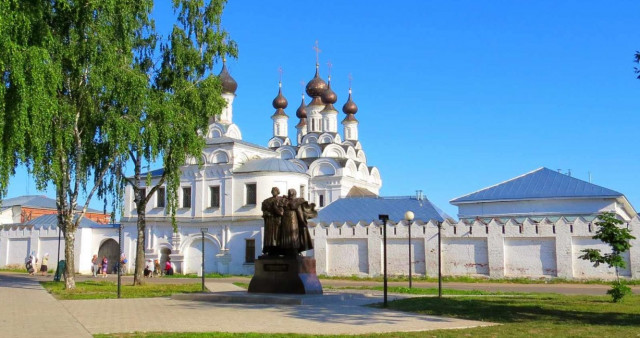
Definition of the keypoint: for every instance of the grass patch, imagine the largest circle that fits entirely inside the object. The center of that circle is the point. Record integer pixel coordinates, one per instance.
(428, 291)
(534, 315)
(13, 270)
(106, 290)
(242, 285)
(468, 279)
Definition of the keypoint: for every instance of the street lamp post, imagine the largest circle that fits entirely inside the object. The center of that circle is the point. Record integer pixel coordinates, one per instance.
(408, 216)
(439, 259)
(384, 219)
(203, 230)
(119, 257)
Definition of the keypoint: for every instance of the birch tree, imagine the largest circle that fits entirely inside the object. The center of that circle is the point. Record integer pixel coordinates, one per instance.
(67, 72)
(184, 96)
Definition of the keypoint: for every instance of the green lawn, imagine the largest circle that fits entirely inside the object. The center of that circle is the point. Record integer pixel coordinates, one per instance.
(468, 279)
(526, 315)
(426, 291)
(106, 289)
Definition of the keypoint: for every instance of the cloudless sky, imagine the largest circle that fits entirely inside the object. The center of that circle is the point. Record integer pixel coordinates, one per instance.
(453, 96)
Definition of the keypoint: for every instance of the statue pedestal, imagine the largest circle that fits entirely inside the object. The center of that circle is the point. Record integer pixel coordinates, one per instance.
(295, 275)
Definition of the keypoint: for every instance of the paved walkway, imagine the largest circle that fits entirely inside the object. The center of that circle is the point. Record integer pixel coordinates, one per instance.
(29, 311)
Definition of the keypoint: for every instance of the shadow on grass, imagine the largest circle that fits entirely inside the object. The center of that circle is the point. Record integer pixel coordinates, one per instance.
(520, 309)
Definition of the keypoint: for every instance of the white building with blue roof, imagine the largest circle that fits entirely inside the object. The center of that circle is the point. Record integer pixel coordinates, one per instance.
(543, 193)
(224, 194)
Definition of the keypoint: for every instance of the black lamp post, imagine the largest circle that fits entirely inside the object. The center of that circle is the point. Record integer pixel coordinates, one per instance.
(203, 230)
(384, 219)
(408, 216)
(119, 257)
(439, 258)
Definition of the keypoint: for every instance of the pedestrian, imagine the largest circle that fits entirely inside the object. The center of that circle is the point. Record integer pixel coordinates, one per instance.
(123, 263)
(34, 262)
(147, 272)
(94, 265)
(168, 269)
(156, 268)
(43, 267)
(105, 265)
(28, 264)
(151, 267)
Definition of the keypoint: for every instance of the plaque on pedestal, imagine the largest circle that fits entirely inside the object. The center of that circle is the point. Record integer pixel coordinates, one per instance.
(296, 275)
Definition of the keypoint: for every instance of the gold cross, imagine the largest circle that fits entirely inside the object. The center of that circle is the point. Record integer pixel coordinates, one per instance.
(329, 64)
(318, 50)
(280, 71)
(350, 79)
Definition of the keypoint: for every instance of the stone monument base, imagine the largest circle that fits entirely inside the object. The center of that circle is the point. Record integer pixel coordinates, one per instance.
(295, 275)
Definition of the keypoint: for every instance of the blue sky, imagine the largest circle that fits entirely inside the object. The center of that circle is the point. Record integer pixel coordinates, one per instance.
(453, 96)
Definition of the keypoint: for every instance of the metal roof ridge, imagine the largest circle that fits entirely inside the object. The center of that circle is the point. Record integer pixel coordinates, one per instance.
(497, 184)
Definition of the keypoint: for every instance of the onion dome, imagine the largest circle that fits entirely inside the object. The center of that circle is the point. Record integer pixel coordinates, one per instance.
(329, 96)
(301, 113)
(350, 107)
(280, 102)
(316, 87)
(229, 85)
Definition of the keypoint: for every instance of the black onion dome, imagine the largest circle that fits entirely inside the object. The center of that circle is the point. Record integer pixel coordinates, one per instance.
(329, 96)
(301, 113)
(229, 85)
(350, 107)
(317, 86)
(280, 102)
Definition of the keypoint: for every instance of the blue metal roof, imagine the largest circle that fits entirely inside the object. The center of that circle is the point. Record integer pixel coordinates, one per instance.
(52, 219)
(36, 201)
(367, 209)
(154, 173)
(540, 183)
(269, 164)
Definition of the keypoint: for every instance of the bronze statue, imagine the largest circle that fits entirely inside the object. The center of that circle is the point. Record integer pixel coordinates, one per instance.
(272, 211)
(285, 218)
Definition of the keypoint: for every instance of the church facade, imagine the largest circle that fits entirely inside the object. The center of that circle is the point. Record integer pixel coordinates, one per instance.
(220, 201)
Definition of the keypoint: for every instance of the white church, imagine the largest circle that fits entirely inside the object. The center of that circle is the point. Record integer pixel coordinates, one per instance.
(225, 194)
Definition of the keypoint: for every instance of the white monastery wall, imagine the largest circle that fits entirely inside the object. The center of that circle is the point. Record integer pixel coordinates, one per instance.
(495, 250)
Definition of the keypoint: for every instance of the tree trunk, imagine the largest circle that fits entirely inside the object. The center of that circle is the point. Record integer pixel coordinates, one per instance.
(140, 256)
(69, 270)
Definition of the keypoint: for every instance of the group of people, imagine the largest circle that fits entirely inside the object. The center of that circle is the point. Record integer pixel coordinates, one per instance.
(101, 266)
(153, 268)
(31, 263)
(285, 224)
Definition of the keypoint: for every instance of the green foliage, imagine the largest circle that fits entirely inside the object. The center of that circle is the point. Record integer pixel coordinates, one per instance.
(611, 233)
(179, 97)
(67, 77)
(618, 291)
